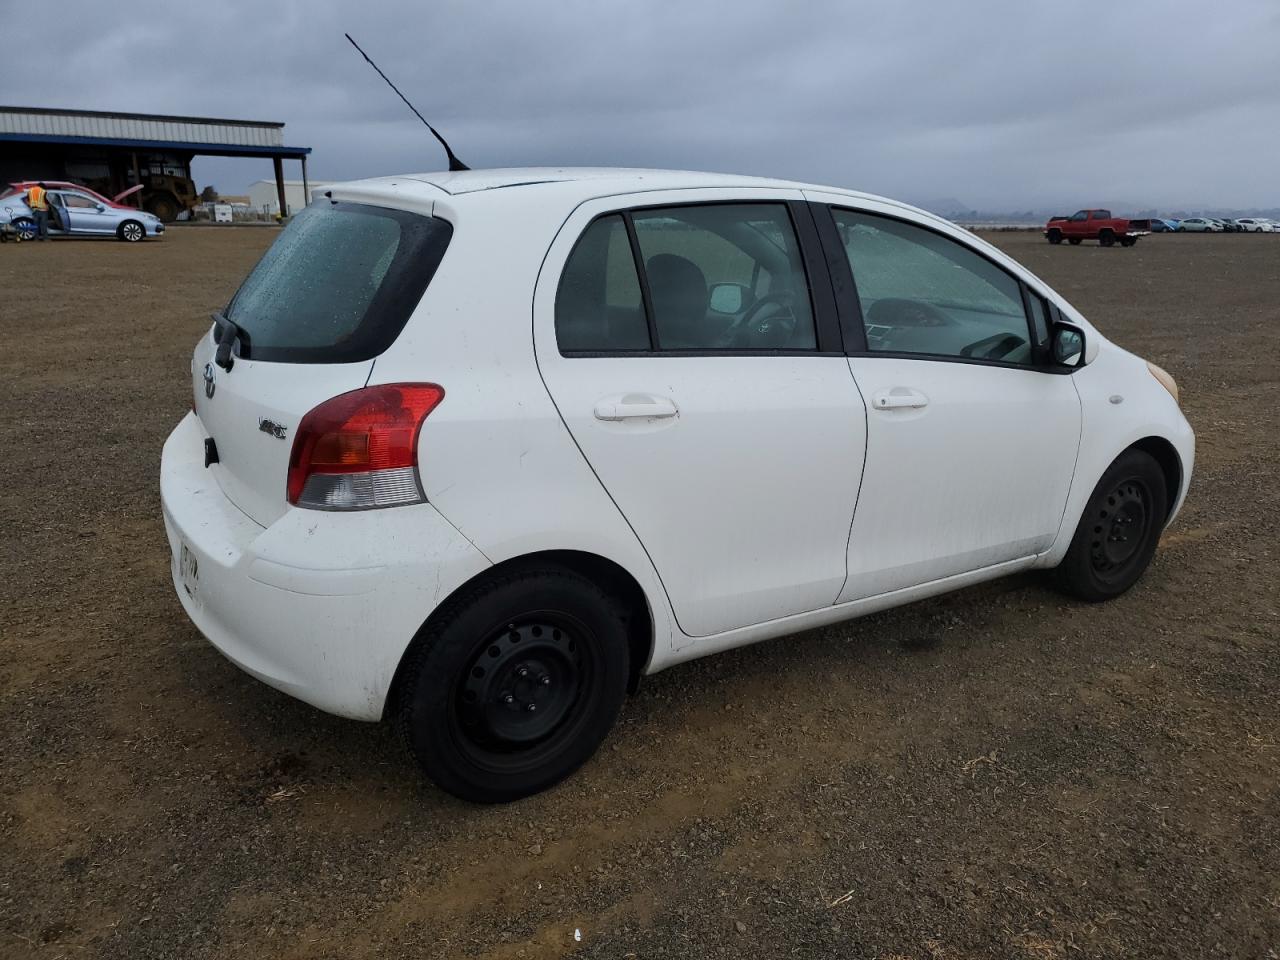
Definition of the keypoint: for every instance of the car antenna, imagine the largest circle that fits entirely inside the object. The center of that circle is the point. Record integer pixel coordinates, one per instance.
(454, 163)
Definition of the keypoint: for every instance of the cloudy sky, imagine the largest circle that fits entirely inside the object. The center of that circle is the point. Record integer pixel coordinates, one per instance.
(1001, 104)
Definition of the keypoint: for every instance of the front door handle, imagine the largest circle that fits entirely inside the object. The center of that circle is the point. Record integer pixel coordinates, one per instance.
(635, 406)
(899, 398)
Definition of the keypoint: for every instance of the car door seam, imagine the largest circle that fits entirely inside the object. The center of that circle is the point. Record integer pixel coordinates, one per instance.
(537, 365)
(857, 498)
(1075, 466)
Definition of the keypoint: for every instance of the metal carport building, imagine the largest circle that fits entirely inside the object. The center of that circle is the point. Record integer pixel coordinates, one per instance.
(111, 152)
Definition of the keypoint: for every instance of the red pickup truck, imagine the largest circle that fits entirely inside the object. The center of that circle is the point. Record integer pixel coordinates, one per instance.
(1097, 225)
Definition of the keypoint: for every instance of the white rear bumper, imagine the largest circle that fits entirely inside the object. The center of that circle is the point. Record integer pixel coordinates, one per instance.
(320, 605)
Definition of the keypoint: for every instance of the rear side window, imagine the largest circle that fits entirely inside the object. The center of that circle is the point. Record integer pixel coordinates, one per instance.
(598, 304)
(706, 277)
(725, 277)
(339, 283)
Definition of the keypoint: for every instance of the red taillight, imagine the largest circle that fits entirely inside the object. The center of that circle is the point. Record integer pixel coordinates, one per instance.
(360, 449)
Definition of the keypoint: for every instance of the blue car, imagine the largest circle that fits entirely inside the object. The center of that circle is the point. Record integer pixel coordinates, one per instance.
(79, 213)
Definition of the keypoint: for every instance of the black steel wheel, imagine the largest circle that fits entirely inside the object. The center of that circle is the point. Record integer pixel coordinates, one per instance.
(131, 231)
(1118, 530)
(514, 683)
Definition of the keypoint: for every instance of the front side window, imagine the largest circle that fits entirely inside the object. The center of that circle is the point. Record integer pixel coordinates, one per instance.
(1080, 215)
(923, 293)
(725, 277)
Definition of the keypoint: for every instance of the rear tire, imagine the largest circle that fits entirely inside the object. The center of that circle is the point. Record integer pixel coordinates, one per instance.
(514, 683)
(1118, 531)
(25, 227)
(1106, 238)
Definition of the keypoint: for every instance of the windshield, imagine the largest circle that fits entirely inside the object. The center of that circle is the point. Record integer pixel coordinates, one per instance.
(339, 283)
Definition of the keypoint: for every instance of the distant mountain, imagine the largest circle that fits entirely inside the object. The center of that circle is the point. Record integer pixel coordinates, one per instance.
(957, 210)
(939, 205)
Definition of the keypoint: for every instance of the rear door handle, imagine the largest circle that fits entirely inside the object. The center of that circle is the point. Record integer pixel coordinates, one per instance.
(635, 406)
(899, 398)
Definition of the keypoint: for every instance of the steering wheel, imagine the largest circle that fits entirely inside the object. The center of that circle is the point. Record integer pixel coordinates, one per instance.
(772, 331)
(900, 312)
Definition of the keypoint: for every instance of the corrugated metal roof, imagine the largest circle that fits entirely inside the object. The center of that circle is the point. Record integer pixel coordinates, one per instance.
(98, 125)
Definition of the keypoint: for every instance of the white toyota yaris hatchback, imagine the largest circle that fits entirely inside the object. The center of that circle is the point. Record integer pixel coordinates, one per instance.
(474, 451)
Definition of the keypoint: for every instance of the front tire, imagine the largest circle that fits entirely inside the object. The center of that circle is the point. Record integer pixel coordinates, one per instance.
(131, 231)
(1054, 236)
(514, 683)
(1118, 531)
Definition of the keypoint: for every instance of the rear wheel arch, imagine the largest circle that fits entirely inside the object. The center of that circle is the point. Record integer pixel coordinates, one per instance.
(607, 574)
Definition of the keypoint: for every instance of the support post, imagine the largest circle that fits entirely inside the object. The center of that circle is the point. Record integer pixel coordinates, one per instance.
(137, 178)
(306, 187)
(279, 168)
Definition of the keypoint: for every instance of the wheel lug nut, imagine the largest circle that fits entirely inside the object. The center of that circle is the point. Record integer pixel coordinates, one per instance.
(532, 707)
(545, 681)
(508, 698)
(522, 672)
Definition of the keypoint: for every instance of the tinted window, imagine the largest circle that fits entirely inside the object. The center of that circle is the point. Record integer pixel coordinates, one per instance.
(338, 284)
(744, 254)
(924, 293)
(1080, 215)
(1102, 214)
(598, 302)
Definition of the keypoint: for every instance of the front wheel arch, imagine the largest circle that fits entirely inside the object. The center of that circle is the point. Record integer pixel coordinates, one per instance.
(1164, 453)
(607, 574)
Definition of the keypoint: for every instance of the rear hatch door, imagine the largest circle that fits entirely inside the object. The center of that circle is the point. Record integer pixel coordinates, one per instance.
(333, 292)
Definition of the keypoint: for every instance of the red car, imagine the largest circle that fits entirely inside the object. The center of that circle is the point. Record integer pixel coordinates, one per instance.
(1097, 225)
(22, 186)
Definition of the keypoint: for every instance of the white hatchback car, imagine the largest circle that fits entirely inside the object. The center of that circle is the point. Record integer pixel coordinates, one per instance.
(474, 451)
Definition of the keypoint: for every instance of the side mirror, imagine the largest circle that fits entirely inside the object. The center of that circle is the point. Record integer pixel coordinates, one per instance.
(728, 297)
(100, 207)
(1067, 345)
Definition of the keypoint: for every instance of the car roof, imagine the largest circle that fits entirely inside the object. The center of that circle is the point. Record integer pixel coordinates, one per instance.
(585, 183)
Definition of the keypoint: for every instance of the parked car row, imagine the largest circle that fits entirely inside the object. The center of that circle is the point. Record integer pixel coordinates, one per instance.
(1220, 225)
(1100, 225)
(76, 211)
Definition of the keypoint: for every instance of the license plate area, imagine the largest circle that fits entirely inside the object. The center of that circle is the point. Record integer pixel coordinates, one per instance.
(189, 572)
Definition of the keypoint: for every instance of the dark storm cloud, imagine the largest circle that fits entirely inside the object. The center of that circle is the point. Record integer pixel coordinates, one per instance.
(1001, 104)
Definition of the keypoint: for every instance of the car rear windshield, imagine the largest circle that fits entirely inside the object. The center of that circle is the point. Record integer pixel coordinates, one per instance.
(338, 285)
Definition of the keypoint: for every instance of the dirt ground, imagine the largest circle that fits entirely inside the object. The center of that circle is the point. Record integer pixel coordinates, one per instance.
(996, 773)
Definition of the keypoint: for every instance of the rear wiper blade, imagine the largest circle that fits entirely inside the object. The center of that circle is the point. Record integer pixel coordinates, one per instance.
(230, 332)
